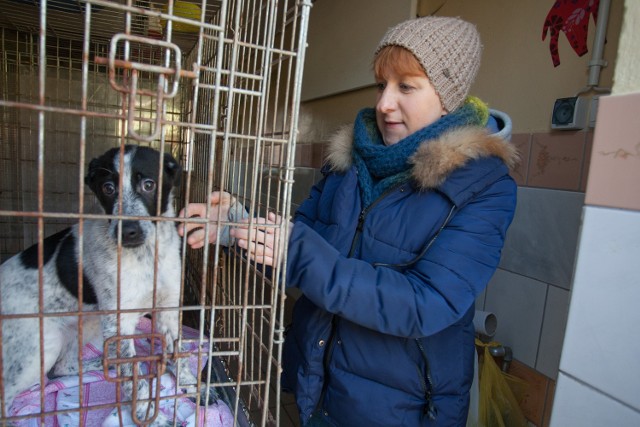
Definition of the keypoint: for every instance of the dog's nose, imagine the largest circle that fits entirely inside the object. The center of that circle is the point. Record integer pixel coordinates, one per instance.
(132, 234)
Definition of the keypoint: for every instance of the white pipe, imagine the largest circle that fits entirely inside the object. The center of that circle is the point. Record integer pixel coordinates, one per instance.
(597, 61)
(485, 323)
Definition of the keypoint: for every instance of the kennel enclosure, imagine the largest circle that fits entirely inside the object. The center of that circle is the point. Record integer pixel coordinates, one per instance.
(214, 83)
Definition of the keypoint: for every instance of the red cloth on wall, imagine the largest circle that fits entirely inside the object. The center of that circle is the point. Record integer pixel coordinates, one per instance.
(572, 18)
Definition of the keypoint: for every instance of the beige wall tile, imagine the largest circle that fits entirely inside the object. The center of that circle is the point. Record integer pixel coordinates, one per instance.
(522, 141)
(614, 171)
(556, 160)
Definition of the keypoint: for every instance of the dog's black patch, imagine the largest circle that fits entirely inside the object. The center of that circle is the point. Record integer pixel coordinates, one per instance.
(29, 257)
(101, 171)
(67, 266)
(145, 165)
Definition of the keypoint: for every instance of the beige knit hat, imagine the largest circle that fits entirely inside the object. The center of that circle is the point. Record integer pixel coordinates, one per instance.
(447, 48)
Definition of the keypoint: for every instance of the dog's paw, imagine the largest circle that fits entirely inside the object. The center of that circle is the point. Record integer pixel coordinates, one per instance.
(144, 411)
(187, 379)
(162, 421)
(145, 408)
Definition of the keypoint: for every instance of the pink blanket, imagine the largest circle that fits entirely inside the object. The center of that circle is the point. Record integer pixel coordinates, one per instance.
(63, 394)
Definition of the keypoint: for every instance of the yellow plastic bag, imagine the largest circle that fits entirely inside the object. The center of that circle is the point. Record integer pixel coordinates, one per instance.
(498, 404)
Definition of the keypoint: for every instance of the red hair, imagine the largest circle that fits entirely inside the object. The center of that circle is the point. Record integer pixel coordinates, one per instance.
(398, 60)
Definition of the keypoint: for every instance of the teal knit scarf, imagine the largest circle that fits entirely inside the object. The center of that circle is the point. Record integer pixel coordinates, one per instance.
(381, 167)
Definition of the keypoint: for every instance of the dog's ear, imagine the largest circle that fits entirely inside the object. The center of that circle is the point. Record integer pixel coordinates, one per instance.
(172, 169)
(91, 173)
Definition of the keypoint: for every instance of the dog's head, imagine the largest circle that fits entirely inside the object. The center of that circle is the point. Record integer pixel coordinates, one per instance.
(140, 170)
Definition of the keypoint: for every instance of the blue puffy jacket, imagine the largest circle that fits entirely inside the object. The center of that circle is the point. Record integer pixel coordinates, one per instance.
(383, 333)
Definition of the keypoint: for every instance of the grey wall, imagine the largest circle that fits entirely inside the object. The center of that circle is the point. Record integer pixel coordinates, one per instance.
(530, 291)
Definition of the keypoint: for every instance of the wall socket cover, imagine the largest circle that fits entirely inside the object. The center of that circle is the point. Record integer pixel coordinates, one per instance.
(570, 113)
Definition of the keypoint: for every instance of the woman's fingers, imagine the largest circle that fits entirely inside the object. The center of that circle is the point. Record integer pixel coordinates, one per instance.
(264, 254)
(260, 239)
(196, 238)
(194, 209)
(219, 203)
(261, 243)
(190, 211)
(221, 199)
(254, 234)
(275, 219)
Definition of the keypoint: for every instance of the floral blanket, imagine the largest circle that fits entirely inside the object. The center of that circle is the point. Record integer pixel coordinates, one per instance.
(63, 394)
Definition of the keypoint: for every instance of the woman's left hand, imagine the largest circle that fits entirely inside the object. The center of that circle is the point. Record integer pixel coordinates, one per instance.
(265, 244)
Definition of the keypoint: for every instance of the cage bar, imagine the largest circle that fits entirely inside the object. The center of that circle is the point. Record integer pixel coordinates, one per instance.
(214, 83)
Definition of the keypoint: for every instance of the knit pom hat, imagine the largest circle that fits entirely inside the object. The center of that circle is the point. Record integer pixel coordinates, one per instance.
(447, 48)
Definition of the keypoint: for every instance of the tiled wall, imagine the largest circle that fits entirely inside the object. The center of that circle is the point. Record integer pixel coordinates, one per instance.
(556, 160)
(530, 291)
(599, 379)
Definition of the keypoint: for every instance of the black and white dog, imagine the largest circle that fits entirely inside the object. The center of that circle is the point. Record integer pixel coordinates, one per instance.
(107, 276)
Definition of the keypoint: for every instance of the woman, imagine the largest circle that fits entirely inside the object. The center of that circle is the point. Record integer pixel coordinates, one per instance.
(395, 243)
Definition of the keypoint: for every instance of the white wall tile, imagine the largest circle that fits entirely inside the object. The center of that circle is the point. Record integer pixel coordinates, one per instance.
(577, 405)
(602, 343)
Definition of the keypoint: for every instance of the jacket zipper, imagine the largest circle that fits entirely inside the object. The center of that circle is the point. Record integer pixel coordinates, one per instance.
(363, 216)
(334, 321)
(429, 408)
(326, 357)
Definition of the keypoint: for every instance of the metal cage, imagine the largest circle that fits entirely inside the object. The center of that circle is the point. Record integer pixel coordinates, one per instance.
(216, 83)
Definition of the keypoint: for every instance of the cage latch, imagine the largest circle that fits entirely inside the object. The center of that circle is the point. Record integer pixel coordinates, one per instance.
(168, 77)
(128, 369)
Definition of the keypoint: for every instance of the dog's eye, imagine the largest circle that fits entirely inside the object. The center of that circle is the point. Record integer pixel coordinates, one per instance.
(108, 188)
(148, 185)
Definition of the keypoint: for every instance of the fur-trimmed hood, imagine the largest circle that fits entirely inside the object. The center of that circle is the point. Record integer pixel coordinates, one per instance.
(434, 160)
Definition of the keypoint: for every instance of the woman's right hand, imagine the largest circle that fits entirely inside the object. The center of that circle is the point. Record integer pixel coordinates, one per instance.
(264, 244)
(220, 203)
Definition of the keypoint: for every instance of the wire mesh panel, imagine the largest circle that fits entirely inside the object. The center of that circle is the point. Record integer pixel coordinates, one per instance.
(214, 86)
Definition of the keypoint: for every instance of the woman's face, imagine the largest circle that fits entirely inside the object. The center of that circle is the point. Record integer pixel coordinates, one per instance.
(405, 104)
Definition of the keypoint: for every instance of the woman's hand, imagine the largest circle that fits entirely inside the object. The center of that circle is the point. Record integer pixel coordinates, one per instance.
(264, 244)
(223, 207)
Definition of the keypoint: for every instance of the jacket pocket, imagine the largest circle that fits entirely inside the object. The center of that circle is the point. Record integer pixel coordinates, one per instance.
(305, 344)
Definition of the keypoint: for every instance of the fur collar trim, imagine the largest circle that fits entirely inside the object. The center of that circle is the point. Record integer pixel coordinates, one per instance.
(434, 160)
